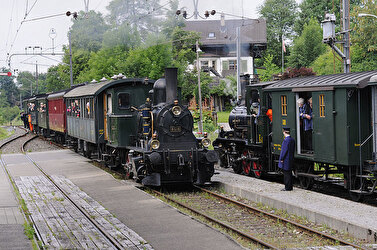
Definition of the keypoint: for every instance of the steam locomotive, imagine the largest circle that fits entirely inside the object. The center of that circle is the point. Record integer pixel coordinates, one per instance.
(344, 145)
(133, 123)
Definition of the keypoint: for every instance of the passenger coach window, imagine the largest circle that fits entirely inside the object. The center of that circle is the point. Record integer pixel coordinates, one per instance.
(124, 100)
(321, 105)
(284, 105)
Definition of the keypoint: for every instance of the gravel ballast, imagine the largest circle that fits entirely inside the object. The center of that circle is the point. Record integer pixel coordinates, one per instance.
(359, 220)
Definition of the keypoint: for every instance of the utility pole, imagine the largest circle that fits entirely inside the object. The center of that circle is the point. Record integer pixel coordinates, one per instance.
(238, 46)
(36, 76)
(329, 35)
(70, 58)
(200, 125)
(346, 36)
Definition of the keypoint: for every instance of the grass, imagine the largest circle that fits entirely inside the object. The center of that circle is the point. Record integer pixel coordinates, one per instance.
(222, 117)
(4, 133)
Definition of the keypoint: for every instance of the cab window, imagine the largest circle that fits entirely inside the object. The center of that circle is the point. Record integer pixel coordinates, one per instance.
(124, 100)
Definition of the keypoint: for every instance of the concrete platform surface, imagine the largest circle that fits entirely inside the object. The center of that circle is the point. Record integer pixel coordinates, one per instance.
(161, 225)
(357, 219)
(12, 234)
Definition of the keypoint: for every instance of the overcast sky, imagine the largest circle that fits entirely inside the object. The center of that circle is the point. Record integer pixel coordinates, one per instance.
(36, 33)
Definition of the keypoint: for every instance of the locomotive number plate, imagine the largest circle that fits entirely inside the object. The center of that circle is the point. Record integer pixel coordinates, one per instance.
(175, 129)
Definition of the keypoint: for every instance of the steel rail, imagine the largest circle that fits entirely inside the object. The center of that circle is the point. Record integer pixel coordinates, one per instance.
(243, 234)
(102, 230)
(308, 229)
(27, 218)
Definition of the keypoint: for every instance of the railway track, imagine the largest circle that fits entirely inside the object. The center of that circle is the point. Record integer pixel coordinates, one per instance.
(257, 238)
(99, 234)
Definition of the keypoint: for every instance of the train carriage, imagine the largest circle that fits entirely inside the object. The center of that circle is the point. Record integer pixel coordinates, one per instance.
(42, 113)
(57, 115)
(342, 134)
(100, 115)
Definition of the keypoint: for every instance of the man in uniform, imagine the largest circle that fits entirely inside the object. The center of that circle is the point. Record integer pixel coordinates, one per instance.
(286, 158)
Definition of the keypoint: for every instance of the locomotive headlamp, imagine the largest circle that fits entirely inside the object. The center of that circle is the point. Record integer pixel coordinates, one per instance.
(176, 110)
(175, 102)
(155, 144)
(154, 136)
(206, 142)
(205, 134)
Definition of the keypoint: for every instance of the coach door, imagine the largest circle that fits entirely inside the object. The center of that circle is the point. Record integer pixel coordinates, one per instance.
(107, 109)
(323, 125)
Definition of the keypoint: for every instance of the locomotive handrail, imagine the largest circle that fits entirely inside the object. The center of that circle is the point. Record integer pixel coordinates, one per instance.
(121, 116)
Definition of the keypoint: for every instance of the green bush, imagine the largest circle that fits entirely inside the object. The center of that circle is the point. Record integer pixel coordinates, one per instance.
(208, 127)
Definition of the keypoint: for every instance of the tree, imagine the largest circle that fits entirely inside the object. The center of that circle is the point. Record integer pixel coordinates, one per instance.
(324, 64)
(307, 47)
(141, 16)
(104, 63)
(148, 62)
(317, 9)
(26, 82)
(280, 17)
(270, 69)
(364, 37)
(87, 32)
(55, 79)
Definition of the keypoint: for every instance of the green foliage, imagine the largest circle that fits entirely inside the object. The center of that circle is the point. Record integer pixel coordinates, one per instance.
(148, 62)
(324, 64)
(7, 114)
(280, 17)
(122, 36)
(172, 21)
(271, 69)
(307, 47)
(104, 63)
(135, 14)
(364, 37)
(55, 79)
(87, 31)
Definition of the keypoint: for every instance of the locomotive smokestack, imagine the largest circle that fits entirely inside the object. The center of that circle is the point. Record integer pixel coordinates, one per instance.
(171, 84)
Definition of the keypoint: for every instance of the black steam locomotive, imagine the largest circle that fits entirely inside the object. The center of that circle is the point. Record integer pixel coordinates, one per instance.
(167, 150)
(344, 124)
(133, 123)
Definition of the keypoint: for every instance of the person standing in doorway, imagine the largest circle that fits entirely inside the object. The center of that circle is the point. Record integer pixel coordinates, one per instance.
(308, 125)
(286, 158)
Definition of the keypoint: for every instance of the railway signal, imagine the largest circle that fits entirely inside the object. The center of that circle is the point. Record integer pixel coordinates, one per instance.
(6, 74)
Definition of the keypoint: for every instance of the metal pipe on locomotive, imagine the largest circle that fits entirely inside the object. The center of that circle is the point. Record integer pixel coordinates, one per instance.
(167, 150)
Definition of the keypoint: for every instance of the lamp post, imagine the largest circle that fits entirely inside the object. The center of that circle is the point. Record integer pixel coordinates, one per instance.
(200, 125)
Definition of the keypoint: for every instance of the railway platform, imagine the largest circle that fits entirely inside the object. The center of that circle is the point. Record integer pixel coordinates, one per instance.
(159, 225)
(12, 234)
(357, 219)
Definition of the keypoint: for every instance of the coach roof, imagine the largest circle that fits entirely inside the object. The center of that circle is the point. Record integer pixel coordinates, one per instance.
(355, 80)
(92, 89)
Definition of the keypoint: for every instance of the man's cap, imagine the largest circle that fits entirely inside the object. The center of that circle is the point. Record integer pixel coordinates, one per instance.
(287, 129)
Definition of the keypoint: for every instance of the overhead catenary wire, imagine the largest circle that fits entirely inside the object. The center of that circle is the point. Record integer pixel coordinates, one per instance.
(19, 27)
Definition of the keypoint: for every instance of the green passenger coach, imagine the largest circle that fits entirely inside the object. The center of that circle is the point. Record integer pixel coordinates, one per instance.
(100, 114)
(341, 140)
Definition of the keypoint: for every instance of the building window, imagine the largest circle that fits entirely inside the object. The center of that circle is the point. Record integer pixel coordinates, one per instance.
(284, 105)
(204, 64)
(211, 35)
(124, 100)
(232, 65)
(321, 105)
(213, 64)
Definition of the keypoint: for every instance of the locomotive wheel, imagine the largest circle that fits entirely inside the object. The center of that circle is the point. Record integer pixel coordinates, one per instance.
(306, 182)
(257, 169)
(246, 164)
(223, 160)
